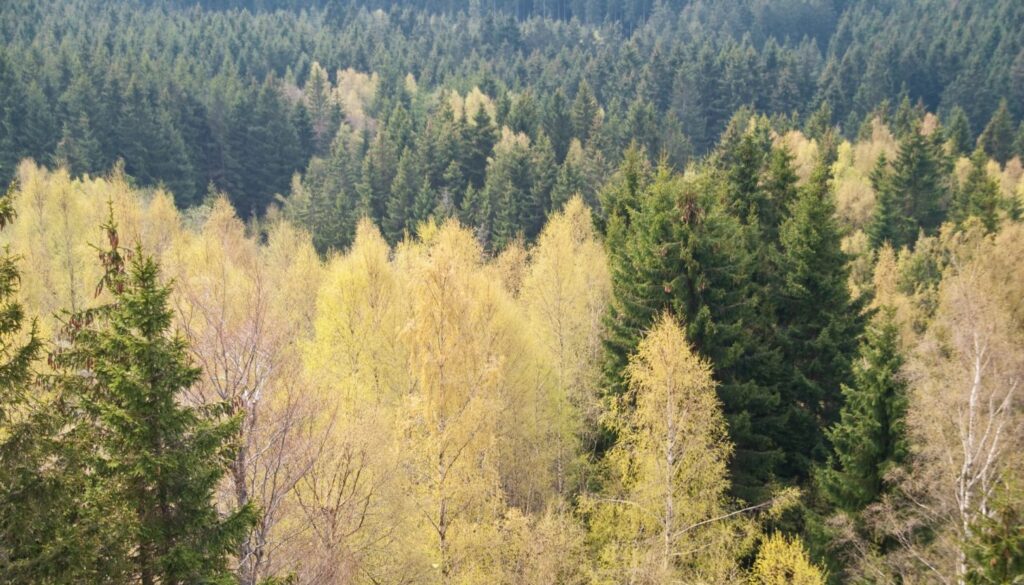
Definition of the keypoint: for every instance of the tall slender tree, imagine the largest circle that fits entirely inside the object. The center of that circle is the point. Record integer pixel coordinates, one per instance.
(819, 321)
(869, 439)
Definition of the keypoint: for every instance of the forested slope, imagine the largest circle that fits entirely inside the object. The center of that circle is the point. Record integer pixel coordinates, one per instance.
(565, 291)
(194, 94)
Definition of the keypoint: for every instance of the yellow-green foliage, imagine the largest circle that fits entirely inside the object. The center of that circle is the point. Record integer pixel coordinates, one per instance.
(400, 401)
(855, 199)
(58, 227)
(354, 92)
(781, 561)
(804, 151)
(658, 522)
(469, 105)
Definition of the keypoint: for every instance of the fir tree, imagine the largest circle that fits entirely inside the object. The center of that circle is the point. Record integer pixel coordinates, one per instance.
(125, 373)
(869, 439)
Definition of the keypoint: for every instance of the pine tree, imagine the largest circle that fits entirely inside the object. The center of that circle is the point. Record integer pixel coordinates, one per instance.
(979, 195)
(819, 321)
(997, 138)
(868, 441)
(162, 458)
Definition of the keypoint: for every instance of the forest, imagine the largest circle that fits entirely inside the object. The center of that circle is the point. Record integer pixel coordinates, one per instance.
(531, 292)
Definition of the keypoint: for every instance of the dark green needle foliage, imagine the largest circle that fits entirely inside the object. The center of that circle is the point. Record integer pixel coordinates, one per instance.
(869, 438)
(124, 374)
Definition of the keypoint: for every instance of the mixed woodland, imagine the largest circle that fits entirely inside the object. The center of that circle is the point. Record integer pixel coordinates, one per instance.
(526, 292)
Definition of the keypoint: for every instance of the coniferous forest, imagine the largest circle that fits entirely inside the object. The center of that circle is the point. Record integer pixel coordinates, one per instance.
(518, 292)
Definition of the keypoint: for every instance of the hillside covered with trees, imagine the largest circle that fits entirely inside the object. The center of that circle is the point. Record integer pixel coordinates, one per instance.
(534, 292)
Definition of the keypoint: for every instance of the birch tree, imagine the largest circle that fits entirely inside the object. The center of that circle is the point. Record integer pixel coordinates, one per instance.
(671, 460)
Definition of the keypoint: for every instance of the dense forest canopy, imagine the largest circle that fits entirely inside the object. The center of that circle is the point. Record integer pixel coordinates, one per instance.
(518, 292)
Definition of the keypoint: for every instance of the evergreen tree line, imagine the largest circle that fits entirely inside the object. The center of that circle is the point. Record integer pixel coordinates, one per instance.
(212, 105)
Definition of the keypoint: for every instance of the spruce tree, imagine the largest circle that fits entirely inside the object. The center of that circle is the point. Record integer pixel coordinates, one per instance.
(478, 144)
(58, 523)
(911, 194)
(978, 196)
(1018, 142)
(819, 122)
(508, 189)
(16, 354)
(674, 247)
(400, 206)
(124, 372)
(884, 221)
(869, 439)
(78, 147)
(818, 320)
(958, 131)
(12, 117)
(557, 123)
(779, 184)
(543, 175)
(585, 113)
(997, 138)
(425, 205)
